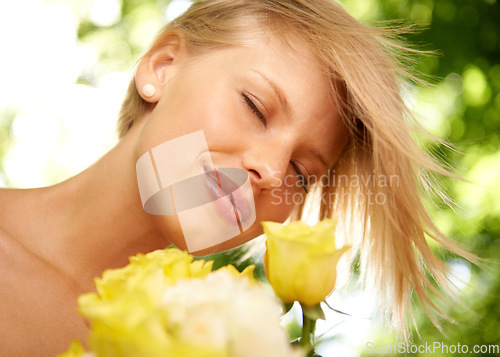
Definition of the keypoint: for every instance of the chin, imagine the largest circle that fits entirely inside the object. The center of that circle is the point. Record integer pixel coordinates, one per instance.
(235, 242)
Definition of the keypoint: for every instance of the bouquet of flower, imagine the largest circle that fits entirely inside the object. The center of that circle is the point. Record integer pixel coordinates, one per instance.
(166, 304)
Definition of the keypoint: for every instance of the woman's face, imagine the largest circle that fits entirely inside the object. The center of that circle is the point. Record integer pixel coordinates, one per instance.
(263, 107)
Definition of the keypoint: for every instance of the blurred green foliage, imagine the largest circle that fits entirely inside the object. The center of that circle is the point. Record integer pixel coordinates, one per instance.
(466, 75)
(462, 106)
(241, 257)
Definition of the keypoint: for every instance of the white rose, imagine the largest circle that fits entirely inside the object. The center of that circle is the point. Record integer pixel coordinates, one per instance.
(222, 310)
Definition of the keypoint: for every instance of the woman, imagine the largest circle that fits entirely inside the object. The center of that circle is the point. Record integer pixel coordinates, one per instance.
(296, 94)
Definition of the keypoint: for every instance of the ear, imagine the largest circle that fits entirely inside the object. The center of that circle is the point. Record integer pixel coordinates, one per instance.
(158, 65)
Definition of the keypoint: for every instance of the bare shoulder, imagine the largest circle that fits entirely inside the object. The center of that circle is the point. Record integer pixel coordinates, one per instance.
(38, 305)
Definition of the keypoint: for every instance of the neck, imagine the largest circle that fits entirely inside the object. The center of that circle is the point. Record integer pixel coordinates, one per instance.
(89, 223)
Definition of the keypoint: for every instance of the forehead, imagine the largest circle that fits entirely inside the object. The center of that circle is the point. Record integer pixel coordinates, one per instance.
(291, 64)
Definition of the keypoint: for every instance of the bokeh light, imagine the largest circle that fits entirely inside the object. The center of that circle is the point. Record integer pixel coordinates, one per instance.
(176, 8)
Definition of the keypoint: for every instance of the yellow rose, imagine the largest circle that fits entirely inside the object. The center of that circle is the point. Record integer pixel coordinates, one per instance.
(301, 261)
(75, 350)
(129, 316)
(247, 272)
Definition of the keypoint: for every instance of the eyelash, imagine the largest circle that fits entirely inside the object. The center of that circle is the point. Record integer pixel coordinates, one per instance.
(254, 109)
(302, 178)
(262, 118)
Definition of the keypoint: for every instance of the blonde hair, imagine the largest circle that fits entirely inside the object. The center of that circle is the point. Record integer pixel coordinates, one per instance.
(364, 64)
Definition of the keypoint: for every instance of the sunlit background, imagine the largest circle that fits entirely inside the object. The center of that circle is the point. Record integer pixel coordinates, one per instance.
(65, 66)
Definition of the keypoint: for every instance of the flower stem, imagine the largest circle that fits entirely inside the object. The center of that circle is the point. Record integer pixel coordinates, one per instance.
(308, 326)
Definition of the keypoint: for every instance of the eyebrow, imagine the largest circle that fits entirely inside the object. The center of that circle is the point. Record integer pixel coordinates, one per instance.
(285, 106)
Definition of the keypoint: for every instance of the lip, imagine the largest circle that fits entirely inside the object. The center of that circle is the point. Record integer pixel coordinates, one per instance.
(221, 185)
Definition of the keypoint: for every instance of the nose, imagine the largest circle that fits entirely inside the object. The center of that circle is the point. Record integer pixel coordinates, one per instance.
(266, 165)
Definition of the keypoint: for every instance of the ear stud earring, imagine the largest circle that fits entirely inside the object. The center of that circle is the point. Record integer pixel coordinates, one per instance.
(148, 90)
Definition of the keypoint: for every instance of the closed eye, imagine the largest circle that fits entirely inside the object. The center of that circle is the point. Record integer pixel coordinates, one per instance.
(254, 109)
(300, 175)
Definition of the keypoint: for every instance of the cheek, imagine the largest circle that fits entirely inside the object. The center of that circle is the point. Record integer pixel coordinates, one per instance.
(184, 109)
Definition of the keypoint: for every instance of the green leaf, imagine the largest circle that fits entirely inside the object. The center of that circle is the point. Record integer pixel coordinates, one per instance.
(288, 306)
(314, 312)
